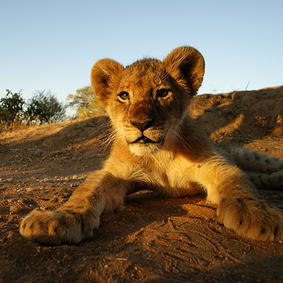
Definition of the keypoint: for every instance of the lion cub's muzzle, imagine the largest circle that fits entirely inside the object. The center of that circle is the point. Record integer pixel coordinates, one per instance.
(147, 132)
(144, 136)
(143, 126)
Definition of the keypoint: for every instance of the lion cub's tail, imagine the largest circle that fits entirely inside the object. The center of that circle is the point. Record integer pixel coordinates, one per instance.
(264, 171)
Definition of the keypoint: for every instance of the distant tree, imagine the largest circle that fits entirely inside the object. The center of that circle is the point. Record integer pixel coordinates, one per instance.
(11, 106)
(45, 107)
(86, 103)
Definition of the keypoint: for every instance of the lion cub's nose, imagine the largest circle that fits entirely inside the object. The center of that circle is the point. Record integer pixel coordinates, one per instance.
(143, 125)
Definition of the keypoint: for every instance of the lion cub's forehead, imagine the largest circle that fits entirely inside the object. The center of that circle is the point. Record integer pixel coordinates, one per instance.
(145, 72)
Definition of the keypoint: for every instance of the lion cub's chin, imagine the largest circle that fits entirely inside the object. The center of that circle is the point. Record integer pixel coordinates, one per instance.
(145, 149)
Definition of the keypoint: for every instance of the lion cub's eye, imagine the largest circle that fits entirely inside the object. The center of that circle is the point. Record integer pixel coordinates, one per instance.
(162, 93)
(123, 96)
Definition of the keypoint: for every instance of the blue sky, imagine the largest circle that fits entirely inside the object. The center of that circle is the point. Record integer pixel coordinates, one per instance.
(52, 44)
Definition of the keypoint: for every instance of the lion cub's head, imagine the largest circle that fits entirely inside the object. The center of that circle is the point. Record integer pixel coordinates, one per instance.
(147, 100)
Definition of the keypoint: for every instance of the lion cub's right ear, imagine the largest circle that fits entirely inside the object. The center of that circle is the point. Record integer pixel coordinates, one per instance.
(105, 75)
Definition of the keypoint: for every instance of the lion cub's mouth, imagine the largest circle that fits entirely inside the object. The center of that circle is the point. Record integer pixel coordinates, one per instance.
(144, 146)
(143, 140)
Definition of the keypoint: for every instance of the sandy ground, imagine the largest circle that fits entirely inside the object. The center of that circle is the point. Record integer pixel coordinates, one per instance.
(154, 239)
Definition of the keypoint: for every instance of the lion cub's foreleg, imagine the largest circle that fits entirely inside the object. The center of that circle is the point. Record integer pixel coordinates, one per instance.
(240, 207)
(78, 217)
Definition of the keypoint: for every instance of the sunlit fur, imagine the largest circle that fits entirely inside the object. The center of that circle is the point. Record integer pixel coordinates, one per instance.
(157, 146)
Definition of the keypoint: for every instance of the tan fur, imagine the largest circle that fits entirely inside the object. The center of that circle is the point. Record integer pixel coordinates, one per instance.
(159, 147)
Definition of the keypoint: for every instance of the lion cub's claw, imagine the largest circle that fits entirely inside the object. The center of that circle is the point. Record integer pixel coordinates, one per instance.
(251, 218)
(52, 227)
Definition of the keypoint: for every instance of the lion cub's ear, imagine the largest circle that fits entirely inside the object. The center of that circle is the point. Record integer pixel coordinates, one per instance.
(186, 65)
(105, 74)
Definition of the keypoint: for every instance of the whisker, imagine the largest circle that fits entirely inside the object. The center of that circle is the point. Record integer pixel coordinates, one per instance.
(183, 141)
(164, 77)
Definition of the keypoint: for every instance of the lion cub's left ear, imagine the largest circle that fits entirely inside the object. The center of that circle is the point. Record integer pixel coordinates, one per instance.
(186, 65)
(105, 74)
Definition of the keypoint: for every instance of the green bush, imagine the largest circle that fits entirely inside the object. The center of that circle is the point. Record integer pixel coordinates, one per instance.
(11, 107)
(45, 107)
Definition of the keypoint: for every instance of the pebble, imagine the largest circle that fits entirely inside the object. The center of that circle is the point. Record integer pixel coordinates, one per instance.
(121, 208)
(14, 209)
(30, 189)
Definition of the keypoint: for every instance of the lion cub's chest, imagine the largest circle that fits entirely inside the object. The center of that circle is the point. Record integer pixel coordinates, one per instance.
(174, 176)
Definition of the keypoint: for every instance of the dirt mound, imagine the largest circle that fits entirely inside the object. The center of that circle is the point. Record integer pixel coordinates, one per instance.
(244, 115)
(155, 239)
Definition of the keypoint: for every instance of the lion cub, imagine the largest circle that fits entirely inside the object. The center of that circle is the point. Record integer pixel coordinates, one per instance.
(159, 147)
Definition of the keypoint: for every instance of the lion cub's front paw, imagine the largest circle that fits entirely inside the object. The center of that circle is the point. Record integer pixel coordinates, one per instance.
(251, 218)
(52, 227)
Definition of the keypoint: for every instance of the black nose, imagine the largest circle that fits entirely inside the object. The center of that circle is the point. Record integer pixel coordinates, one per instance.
(143, 125)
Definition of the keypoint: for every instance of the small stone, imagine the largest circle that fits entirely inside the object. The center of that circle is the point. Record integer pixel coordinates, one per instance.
(121, 208)
(65, 256)
(14, 209)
